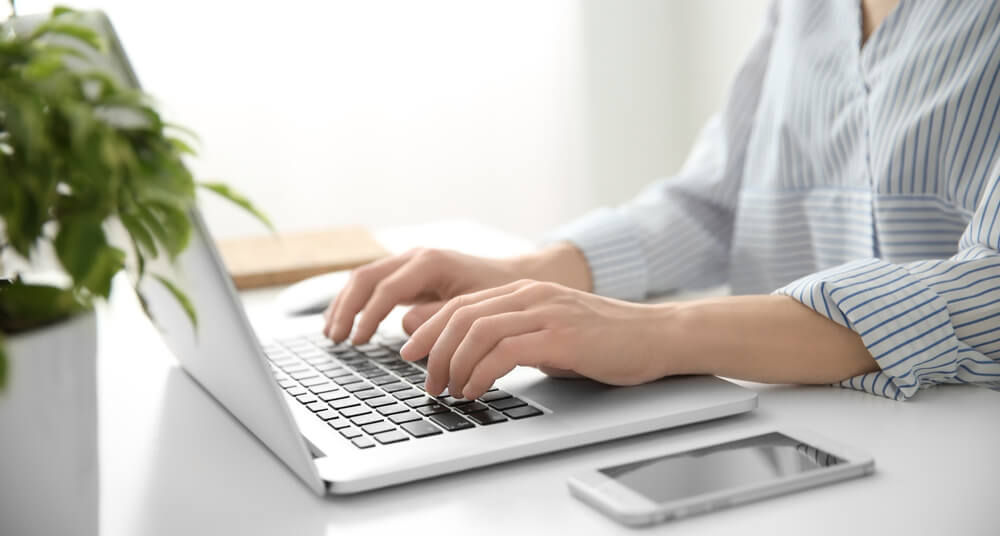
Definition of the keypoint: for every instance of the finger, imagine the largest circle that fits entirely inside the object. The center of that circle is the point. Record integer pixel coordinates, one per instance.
(403, 285)
(355, 294)
(527, 349)
(486, 332)
(453, 332)
(328, 313)
(424, 338)
(415, 317)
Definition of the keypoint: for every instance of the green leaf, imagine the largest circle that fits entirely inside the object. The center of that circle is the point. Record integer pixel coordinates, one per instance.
(62, 10)
(183, 130)
(85, 254)
(174, 228)
(238, 199)
(182, 147)
(81, 33)
(181, 298)
(139, 234)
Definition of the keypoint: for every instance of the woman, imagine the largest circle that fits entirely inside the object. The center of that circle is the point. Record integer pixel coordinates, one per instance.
(854, 168)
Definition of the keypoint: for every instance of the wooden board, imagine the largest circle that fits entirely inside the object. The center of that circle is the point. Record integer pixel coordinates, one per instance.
(281, 259)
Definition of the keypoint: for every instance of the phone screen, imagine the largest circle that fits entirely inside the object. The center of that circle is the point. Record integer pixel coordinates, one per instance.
(754, 460)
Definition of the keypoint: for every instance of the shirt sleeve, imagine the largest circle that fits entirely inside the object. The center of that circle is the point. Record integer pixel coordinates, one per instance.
(677, 232)
(927, 322)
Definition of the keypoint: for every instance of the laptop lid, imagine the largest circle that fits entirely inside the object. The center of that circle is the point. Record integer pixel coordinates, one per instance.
(222, 353)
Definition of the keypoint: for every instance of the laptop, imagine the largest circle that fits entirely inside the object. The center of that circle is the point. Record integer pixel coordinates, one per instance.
(347, 419)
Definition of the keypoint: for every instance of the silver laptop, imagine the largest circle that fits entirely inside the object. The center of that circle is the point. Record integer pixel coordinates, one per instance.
(348, 419)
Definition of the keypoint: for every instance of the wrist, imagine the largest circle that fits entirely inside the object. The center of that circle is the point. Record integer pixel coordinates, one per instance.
(561, 263)
(670, 332)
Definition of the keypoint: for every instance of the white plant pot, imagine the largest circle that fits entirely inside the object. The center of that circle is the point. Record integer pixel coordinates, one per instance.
(48, 431)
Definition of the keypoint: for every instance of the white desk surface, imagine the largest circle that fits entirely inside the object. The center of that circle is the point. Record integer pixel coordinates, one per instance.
(174, 462)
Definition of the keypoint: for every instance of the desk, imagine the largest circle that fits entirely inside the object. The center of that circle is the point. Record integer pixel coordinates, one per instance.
(174, 462)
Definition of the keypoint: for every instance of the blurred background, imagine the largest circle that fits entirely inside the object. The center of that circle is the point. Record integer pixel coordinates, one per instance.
(520, 114)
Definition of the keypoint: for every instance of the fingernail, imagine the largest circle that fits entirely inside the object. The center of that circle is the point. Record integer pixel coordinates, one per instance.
(403, 349)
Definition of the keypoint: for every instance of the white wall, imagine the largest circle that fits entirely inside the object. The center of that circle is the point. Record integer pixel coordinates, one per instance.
(517, 113)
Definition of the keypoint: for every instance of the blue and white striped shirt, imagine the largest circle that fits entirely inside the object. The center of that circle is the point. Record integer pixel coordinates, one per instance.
(861, 180)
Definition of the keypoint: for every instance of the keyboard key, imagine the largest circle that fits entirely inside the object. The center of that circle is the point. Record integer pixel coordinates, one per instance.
(350, 432)
(344, 403)
(487, 417)
(346, 379)
(380, 401)
(494, 395)
(328, 414)
(338, 423)
(362, 420)
(394, 436)
(378, 428)
(507, 403)
(316, 359)
(451, 421)
(316, 406)
(400, 418)
(367, 347)
(407, 394)
(433, 409)
(380, 352)
(393, 387)
(421, 429)
(325, 387)
(453, 402)
(293, 366)
(287, 384)
(296, 391)
(354, 411)
(383, 380)
(370, 372)
(355, 387)
(307, 398)
(363, 442)
(370, 393)
(328, 367)
(392, 409)
(471, 407)
(312, 382)
(522, 412)
(333, 395)
(419, 402)
(304, 374)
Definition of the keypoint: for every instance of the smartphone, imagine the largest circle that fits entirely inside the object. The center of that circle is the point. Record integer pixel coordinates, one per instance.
(711, 477)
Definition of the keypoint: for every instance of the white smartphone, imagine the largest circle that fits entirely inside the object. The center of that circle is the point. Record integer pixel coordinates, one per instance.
(711, 477)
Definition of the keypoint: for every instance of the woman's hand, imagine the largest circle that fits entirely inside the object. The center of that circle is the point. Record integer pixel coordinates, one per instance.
(477, 338)
(429, 277)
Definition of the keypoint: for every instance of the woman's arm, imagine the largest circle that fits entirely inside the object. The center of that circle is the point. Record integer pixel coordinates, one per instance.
(772, 339)
(477, 338)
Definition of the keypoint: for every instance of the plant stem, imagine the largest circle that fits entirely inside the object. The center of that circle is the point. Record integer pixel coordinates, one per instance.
(13, 9)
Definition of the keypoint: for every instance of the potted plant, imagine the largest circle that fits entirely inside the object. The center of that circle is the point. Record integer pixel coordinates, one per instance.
(92, 178)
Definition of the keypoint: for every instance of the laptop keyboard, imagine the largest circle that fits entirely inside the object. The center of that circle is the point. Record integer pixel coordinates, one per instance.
(372, 396)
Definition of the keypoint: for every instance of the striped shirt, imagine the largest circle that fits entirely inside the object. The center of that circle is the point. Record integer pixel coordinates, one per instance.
(862, 180)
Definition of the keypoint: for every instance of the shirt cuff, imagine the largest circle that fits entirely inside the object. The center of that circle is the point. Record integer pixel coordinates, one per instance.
(904, 325)
(612, 245)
